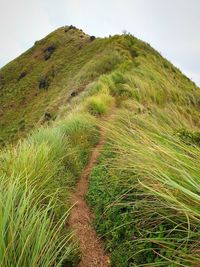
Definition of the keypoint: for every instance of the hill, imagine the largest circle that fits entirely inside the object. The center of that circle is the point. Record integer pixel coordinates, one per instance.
(62, 98)
(45, 77)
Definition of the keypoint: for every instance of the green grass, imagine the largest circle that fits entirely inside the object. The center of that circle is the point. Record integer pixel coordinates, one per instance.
(99, 105)
(29, 236)
(145, 193)
(144, 190)
(75, 63)
(36, 177)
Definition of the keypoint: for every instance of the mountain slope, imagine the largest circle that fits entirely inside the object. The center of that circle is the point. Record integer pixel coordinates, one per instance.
(63, 64)
(45, 77)
(143, 189)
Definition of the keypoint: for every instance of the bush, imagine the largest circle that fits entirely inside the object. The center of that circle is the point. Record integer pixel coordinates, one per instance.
(119, 88)
(80, 128)
(99, 105)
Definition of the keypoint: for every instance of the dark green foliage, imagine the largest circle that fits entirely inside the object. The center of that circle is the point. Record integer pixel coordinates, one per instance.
(1, 79)
(189, 137)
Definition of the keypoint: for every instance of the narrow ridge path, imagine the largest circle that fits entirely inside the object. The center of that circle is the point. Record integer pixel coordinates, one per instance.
(81, 217)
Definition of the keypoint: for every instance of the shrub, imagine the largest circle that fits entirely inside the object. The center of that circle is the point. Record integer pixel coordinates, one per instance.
(92, 38)
(44, 83)
(79, 126)
(82, 134)
(99, 105)
(119, 88)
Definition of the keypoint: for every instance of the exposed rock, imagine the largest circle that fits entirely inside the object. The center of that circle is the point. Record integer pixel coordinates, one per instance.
(92, 38)
(74, 93)
(47, 116)
(22, 75)
(71, 27)
(44, 83)
(1, 80)
(49, 51)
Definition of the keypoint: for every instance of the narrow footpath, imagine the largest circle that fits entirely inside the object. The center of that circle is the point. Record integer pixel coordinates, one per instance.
(92, 253)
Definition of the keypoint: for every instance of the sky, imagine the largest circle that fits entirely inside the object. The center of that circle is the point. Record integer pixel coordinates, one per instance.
(170, 26)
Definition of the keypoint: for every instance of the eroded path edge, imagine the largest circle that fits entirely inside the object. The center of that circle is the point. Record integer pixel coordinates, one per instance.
(92, 253)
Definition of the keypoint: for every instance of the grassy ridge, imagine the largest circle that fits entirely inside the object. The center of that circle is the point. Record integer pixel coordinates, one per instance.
(144, 189)
(32, 85)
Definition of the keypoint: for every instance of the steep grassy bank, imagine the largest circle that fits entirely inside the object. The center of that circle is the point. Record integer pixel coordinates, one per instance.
(35, 181)
(37, 175)
(144, 190)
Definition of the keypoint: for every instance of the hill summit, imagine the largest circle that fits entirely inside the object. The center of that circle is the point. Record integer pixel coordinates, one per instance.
(100, 155)
(34, 86)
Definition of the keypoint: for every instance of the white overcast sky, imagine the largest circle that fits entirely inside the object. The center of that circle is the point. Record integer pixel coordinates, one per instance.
(170, 26)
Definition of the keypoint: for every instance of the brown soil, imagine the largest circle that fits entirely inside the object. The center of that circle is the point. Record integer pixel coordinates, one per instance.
(81, 216)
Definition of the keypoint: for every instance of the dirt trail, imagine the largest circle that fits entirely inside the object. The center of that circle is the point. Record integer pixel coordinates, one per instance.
(81, 217)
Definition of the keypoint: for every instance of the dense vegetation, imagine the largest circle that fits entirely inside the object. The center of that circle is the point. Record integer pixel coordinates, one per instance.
(144, 189)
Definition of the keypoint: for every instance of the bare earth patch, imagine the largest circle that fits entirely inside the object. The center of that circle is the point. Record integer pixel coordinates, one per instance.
(81, 216)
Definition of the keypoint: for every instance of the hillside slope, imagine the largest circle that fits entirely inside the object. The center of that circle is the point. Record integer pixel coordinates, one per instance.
(143, 189)
(56, 68)
(34, 86)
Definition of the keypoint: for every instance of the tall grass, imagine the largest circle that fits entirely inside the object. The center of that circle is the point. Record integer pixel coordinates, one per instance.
(29, 235)
(145, 187)
(100, 104)
(163, 192)
(34, 185)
